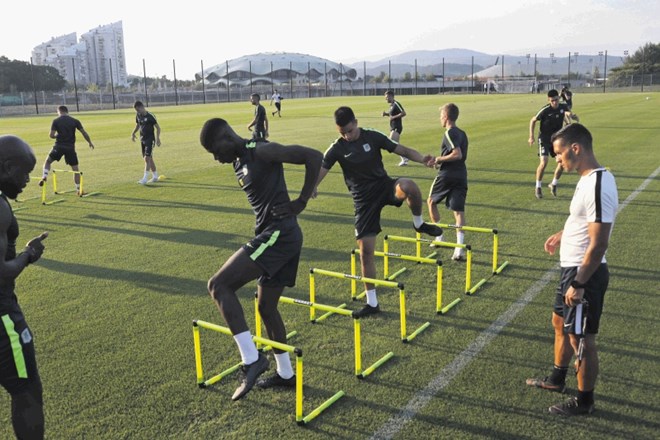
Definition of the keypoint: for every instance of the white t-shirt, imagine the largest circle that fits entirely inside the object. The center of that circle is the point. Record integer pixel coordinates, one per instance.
(596, 200)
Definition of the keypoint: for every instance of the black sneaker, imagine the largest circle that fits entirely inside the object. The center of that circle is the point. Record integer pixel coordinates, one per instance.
(249, 375)
(571, 408)
(546, 384)
(277, 381)
(553, 189)
(366, 311)
(430, 229)
(538, 193)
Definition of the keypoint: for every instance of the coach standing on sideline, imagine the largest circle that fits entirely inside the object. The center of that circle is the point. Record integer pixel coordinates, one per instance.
(18, 364)
(584, 273)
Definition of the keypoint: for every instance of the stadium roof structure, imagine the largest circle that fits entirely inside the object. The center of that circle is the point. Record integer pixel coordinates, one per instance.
(276, 68)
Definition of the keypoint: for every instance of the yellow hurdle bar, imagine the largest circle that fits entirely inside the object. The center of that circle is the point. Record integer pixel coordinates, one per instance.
(402, 300)
(300, 418)
(493, 231)
(356, 332)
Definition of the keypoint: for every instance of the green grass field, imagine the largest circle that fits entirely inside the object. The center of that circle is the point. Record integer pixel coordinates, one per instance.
(124, 274)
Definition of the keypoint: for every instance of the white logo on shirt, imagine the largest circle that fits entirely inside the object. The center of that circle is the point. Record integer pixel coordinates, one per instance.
(366, 147)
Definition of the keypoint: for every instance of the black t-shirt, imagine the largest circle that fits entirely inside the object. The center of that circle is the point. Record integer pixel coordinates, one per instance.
(8, 302)
(454, 138)
(146, 122)
(552, 120)
(260, 114)
(361, 162)
(263, 183)
(66, 127)
(396, 109)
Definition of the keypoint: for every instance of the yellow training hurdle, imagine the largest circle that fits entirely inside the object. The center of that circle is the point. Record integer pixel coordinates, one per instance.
(300, 418)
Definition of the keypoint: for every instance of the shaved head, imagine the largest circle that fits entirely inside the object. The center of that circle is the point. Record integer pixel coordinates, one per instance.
(17, 160)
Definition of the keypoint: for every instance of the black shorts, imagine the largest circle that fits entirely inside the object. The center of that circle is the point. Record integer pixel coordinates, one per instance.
(594, 294)
(367, 213)
(258, 135)
(278, 106)
(545, 148)
(276, 250)
(450, 189)
(18, 364)
(69, 153)
(147, 147)
(397, 129)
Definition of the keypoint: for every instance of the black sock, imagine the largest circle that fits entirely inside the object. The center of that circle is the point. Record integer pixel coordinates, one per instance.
(585, 398)
(558, 374)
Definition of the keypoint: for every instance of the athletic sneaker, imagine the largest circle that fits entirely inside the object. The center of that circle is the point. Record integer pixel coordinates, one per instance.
(546, 384)
(571, 408)
(553, 189)
(366, 311)
(154, 179)
(404, 162)
(277, 381)
(430, 229)
(42, 182)
(539, 194)
(249, 375)
(439, 239)
(459, 254)
(143, 181)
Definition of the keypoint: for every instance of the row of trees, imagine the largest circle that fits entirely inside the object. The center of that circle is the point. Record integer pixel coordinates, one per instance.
(20, 76)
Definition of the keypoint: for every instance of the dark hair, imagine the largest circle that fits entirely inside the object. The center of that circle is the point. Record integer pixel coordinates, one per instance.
(344, 116)
(452, 111)
(257, 95)
(138, 104)
(553, 93)
(390, 92)
(574, 134)
(210, 130)
(63, 109)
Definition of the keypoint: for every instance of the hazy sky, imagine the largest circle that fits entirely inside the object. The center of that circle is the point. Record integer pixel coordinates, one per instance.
(363, 30)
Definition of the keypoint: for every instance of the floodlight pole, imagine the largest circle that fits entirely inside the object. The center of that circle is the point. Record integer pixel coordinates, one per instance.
(176, 90)
(144, 73)
(34, 87)
(203, 85)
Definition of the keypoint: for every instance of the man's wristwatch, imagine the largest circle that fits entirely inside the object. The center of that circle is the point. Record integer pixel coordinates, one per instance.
(576, 285)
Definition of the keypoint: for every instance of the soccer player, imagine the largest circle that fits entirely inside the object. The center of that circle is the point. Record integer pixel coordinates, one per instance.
(584, 273)
(551, 118)
(18, 365)
(63, 130)
(277, 98)
(271, 257)
(146, 122)
(396, 113)
(260, 121)
(358, 151)
(450, 184)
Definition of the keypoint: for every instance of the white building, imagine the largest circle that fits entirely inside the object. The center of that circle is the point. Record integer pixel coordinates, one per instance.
(89, 60)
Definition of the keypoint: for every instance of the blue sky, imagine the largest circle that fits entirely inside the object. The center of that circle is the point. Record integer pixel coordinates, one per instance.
(367, 30)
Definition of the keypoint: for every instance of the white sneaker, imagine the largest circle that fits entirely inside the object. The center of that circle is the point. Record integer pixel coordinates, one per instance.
(404, 162)
(154, 179)
(459, 254)
(437, 239)
(143, 181)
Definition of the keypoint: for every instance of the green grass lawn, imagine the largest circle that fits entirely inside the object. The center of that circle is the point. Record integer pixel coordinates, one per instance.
(112, 301)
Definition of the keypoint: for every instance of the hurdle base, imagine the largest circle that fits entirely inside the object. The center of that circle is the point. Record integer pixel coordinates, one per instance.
(414, 334)
(366, 372)
(396, 274)
(446, 308)
(501, 268)
(317, 412)
(476, 287)
(52, 202)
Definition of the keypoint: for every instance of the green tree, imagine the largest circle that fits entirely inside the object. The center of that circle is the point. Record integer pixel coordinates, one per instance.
(645, 60)
(16, 76)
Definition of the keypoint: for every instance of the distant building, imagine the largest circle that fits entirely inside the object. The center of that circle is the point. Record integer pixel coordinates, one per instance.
(277, 69)
(88, 61)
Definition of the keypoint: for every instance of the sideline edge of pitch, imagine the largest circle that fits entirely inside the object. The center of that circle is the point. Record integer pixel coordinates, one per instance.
(396, 423)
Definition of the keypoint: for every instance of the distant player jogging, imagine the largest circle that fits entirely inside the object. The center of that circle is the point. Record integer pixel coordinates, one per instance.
(146, 123)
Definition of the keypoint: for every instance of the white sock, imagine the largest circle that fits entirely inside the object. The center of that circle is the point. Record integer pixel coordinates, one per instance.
(554, 182)
(460, 237)
(440, 238)
(417, 220)
(538, 183)
(45, 174)
(372, 299)
(146, 175)
(249, 353)
(154, 174)
(78, 186)
(284, 365)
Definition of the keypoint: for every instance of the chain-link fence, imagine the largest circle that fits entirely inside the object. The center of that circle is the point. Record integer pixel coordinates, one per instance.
(458, 75)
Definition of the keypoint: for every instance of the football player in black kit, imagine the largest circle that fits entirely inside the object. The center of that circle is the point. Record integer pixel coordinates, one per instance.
(272, 256)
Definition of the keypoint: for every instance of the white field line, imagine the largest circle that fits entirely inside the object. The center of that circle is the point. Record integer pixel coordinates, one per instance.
(423, 397)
